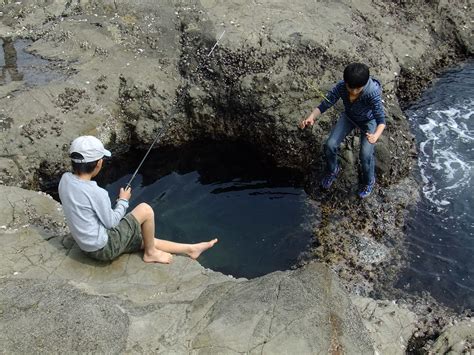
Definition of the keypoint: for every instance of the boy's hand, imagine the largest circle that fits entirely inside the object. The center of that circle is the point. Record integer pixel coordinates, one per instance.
(311, 118)
(307, 122)
(372, 137)
(125, 193)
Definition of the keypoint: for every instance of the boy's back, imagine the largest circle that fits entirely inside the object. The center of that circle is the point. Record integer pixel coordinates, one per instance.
(88, 211)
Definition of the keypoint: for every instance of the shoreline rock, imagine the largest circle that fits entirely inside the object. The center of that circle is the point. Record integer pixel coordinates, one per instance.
(51, 290)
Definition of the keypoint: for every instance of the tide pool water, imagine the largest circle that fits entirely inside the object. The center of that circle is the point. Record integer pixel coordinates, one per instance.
(262, 218)
(17, 64)
(440, 231)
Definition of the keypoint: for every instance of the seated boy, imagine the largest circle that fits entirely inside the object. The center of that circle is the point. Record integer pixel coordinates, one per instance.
(104, 233)
(363, 109)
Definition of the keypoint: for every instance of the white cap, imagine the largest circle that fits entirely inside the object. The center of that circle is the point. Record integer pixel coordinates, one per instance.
(90, 148)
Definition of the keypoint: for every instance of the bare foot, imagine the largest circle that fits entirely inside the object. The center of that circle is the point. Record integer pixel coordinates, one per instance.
(157, 256)
(198, 248)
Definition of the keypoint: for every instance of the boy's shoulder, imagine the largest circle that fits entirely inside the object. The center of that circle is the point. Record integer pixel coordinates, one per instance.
(341, 86)
(85, 190)
(65, 177)
(72, 179)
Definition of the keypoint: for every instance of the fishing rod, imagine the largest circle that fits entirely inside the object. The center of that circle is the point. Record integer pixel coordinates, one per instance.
(162, 130)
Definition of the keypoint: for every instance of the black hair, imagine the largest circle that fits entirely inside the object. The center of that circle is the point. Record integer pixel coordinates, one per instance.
(82, 168)
(356, 75)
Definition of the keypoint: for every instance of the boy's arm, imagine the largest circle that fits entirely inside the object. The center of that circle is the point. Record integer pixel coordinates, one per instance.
(379, 115)
(331, 97)
(310, 120)
(103, 208)
(329, 100)
(373, 137)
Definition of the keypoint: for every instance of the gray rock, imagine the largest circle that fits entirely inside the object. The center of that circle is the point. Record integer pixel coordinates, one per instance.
(62, 300)
(457, 339)
(46, 316)
(390, 325)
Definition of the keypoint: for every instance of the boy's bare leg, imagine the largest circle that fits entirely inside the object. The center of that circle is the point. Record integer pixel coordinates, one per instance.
(192, 250)
(145, 216)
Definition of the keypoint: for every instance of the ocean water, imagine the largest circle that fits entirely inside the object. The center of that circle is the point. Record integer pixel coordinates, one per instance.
(440, 230)
(261, 215)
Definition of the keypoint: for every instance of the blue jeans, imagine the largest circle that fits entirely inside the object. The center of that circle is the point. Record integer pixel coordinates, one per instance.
(366, 154)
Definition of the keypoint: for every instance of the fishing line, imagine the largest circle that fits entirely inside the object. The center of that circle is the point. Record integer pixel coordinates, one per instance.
(162, 130)
(355, 124)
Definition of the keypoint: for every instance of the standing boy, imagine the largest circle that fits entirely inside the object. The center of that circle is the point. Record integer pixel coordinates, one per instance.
(104, 233)
(363, 109)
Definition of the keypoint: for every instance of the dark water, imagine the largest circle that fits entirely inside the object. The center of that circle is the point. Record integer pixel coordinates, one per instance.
(261, 215)
(17, 64)
(441, 228)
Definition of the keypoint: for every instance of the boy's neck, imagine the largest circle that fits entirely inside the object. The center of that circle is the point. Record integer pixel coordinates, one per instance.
(85, 177)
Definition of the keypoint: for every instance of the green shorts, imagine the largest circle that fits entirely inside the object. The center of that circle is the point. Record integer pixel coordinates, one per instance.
(125, 238)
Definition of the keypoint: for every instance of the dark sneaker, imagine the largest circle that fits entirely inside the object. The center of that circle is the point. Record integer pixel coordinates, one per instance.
(330, 178)
(367, 190)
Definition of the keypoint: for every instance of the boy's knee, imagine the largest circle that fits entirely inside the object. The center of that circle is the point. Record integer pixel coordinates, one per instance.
(330, 145)
(366, 156)
(147, 210)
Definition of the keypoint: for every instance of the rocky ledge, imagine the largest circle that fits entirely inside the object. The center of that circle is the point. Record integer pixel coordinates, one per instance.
(132, 69)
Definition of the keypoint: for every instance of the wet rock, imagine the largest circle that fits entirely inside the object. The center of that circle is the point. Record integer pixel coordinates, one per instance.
(370, 251)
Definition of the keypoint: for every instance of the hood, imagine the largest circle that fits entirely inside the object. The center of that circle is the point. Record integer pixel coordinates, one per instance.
(372, 87)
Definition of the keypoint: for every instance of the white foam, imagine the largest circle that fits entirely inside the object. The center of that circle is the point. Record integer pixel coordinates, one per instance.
(445, 170)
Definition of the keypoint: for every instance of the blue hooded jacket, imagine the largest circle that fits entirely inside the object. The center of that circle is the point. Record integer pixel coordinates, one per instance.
(366, 107)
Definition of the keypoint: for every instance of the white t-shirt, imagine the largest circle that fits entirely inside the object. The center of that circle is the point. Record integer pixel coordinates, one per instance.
(88, 211)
